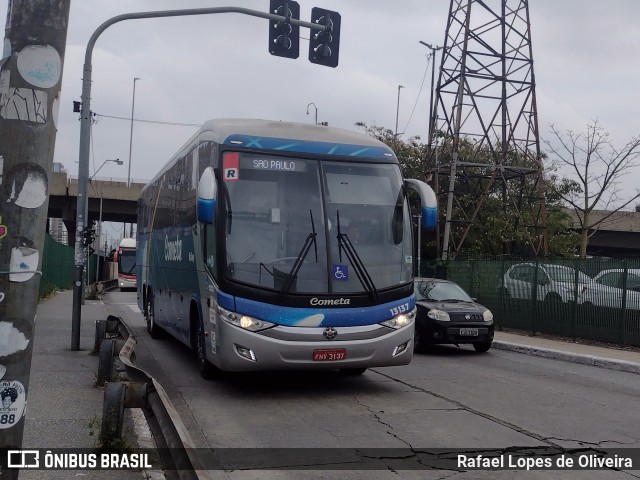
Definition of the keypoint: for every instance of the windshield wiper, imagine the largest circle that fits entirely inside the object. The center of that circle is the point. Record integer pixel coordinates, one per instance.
(293, 274)
(344, 243)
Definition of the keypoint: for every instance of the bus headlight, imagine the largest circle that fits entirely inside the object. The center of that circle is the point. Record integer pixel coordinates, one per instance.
(401, 320)
(244, 321)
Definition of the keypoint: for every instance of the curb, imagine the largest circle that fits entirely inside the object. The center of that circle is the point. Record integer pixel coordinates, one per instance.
(602, 362)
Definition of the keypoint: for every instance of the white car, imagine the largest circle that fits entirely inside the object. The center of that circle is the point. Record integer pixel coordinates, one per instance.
(607, 290)
(555, 282)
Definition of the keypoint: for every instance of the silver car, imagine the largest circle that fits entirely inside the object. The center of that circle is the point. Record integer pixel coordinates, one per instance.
(554, 282)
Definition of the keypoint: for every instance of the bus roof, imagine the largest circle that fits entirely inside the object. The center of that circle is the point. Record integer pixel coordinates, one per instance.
(286, 137)
(128, 243)
(223, 130)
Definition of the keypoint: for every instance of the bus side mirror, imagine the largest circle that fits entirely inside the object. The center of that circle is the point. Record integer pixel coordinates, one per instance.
(428, 202)
(207, 193)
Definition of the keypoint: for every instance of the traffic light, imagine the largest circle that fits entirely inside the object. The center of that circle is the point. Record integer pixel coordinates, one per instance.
(90, 234)
(324, 46)
(284, 37)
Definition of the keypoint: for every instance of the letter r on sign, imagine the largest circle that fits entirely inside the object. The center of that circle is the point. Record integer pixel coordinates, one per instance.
(231, 174)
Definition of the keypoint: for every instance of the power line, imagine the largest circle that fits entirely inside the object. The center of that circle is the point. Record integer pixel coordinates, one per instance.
(149, 121)
(424, 76)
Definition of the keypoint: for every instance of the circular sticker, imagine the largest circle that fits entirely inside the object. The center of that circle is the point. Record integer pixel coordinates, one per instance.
(13, 399)
(40, 65)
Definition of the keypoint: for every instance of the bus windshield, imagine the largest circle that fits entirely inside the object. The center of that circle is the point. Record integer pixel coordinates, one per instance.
(127, 262)
(282, 234)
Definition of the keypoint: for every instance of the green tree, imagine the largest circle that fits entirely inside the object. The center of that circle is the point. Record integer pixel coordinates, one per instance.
(411, 153)
(495, 225)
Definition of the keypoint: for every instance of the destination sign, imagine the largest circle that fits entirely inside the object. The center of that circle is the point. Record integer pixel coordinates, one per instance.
(277, 164)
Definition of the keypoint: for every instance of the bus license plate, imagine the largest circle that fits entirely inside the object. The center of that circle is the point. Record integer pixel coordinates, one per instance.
(468, 332)
(329, 355)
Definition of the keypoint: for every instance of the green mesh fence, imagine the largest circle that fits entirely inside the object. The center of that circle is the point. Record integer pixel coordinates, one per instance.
(58, 267)
(594, 298)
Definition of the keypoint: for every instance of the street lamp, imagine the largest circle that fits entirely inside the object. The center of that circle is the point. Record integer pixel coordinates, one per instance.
(133, 104)
(117, 161)
(395, 136)
(314, 106)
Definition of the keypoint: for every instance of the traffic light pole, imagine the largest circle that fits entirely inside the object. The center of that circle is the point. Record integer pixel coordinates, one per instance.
(85, 128)
(35, 34)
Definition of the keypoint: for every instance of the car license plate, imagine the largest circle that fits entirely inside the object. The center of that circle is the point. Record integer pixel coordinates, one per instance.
(329, 355)
(468, 332)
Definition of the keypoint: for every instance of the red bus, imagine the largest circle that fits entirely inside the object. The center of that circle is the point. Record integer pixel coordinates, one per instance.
(125, 257)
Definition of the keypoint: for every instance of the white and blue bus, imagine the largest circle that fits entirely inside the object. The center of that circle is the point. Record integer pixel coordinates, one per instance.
(273, 246)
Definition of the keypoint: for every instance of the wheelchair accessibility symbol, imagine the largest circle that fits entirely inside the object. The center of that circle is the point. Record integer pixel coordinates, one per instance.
(340, 271)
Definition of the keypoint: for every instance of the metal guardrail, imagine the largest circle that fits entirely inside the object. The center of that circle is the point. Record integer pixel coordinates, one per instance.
(106, 285)
(114, 338)
(97, 288)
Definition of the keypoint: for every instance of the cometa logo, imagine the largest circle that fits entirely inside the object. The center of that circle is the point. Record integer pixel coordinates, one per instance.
(329, 302)
(172, 250)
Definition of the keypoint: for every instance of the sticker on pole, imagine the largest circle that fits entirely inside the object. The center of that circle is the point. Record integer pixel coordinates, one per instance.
(13, 399)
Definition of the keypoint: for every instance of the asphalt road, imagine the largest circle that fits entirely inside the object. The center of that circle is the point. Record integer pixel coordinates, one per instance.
(450, 398)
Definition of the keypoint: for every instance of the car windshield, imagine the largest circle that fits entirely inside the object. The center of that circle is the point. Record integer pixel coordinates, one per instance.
(566, 274)
(434, 291)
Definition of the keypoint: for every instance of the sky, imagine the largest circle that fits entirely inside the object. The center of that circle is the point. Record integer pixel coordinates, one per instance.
(192, 69)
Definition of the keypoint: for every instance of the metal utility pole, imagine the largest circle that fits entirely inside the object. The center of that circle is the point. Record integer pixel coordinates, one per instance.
(133, 105)
(395, 135)
(35, 34)
(432, 114)
(85, 128)
(98, 242)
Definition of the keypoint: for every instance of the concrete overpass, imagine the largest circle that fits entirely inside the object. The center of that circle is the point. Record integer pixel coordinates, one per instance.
(619, 234)
(118, 200)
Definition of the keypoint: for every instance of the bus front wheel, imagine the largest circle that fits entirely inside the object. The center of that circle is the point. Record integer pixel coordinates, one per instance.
(152, 327)
(208, 371)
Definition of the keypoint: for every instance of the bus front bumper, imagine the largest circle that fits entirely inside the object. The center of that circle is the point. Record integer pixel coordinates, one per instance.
(284, 348)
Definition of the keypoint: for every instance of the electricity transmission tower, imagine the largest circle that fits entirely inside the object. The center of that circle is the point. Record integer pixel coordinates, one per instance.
(485, 124)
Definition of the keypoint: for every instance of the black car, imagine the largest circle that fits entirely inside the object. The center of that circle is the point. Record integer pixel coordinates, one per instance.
(446, 314)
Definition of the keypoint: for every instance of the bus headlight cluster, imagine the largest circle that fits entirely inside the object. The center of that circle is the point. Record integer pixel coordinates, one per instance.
(243, 321)
(401, 320)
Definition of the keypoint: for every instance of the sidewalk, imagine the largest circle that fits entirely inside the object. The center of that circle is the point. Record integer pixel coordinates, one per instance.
(611, 358)
(64, 407)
